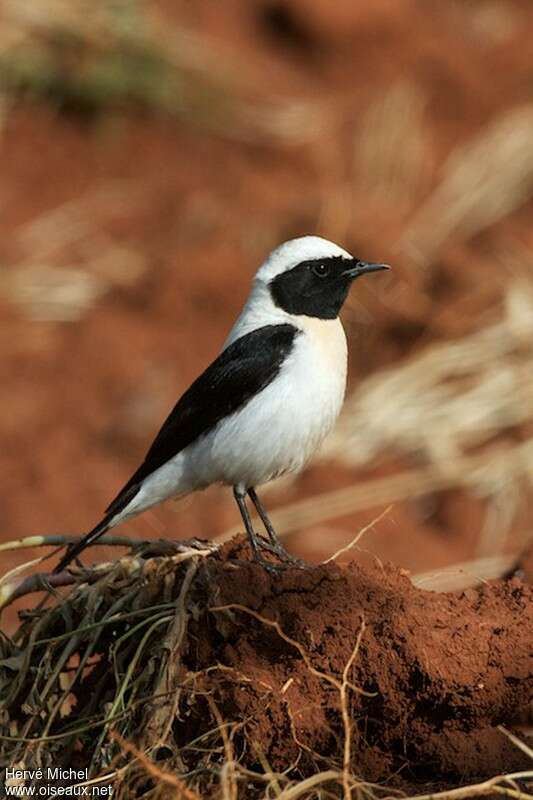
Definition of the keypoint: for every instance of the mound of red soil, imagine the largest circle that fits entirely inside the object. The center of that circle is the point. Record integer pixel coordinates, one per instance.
(312, 669)
(438, 672)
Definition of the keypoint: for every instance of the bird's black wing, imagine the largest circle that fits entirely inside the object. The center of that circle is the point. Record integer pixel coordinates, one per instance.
(242, 370)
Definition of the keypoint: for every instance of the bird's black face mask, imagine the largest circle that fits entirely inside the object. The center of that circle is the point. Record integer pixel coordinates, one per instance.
(318, 287)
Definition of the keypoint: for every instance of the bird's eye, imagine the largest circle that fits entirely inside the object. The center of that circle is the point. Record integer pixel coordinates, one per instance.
(320, 270)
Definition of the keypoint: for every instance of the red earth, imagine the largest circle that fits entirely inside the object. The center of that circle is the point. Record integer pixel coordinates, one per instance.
(170, 218)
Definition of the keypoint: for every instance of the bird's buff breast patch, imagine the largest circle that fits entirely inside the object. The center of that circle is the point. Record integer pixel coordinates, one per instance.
(329, 340)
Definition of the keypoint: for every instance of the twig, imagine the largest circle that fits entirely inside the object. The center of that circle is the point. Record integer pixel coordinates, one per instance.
(516, 741)
(60, 540)
(346, 715)
(361, 533)
(47, 581)
(155, 772)
(304, 786)
(41, 582)
(163, 717)
(483, 788)
(227, 774)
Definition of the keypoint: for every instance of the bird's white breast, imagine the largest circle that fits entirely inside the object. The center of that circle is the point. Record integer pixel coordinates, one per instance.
(282, 426)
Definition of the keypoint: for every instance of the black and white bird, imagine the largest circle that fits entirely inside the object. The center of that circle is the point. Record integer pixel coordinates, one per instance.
(263, 407)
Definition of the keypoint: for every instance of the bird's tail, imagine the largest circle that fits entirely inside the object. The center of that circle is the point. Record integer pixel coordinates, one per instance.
(77, 547)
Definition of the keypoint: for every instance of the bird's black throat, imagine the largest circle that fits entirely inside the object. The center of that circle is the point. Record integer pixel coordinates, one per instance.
(304, 290)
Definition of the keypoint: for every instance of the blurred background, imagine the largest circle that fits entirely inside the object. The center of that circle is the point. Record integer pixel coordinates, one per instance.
(152, 153)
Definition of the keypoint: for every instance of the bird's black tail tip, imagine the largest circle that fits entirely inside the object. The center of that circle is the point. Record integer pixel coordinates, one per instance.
(74, 549)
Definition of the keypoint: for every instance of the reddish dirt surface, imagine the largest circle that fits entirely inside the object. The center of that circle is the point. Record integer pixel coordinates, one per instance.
(82, 399)
(442, 670)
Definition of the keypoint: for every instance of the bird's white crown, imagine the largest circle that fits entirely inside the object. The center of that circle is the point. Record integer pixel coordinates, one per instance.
(289, 254)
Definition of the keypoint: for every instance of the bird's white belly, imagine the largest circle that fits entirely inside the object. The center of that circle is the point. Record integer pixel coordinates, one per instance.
(281, 427)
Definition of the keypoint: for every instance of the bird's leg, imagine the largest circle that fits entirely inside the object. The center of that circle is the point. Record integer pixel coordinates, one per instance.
(240, 497)
(275, 545)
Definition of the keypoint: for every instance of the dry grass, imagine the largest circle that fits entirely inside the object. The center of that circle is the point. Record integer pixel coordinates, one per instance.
(483, 181)
(391, 146)
(452, 397)
(45, 284)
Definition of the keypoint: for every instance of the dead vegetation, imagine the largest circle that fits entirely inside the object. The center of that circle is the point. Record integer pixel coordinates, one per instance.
(186, 671)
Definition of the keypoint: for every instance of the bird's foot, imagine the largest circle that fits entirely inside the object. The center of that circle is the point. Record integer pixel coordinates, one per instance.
(273, 568)
(277, 549)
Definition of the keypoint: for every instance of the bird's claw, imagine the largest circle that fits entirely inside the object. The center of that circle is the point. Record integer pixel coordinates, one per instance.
(286, 559)
(272, 568)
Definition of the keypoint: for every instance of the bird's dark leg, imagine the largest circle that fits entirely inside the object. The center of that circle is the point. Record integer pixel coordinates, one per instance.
(255, 543)
(275, 545)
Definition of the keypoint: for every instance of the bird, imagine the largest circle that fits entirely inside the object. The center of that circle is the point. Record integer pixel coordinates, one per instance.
(262, 408)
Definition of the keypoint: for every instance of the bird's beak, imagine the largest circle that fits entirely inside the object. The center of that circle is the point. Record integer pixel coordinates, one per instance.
(362, 267)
